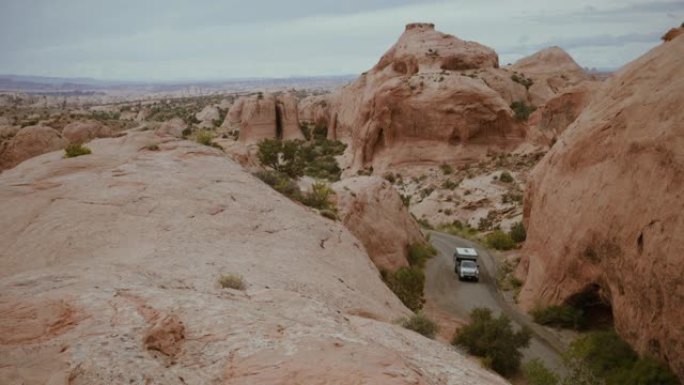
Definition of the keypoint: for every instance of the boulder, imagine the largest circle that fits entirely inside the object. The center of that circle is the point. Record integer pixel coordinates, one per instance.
(84, 131)
(29, 142)
(604, 209)
(207, 116)
(173, 127)
(373, 211)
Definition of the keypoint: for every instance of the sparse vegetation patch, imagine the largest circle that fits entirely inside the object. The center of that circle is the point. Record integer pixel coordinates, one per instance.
(494, 340)
(232, 281)
(74, 150)
(421, 324)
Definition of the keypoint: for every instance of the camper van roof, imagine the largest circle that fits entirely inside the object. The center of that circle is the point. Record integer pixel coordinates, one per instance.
(466, 251)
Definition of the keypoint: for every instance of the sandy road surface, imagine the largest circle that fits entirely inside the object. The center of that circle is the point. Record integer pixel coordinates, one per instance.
(443, 288)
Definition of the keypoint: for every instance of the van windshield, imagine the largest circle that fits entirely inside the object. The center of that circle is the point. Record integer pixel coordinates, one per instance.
(470, 264)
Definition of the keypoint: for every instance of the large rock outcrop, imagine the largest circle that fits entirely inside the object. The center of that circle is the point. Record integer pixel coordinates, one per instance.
(604, 208)
(559, 112)
(315, 110)
(551, 70)
(173, 127)
(29, 142)
(110, 267)
(373, 211)
(423, 102)
(207, 116)
(265, 116)
(84, 131)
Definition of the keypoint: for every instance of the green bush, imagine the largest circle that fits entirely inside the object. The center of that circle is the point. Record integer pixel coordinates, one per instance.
(494, 340)
(506, 177)
(449, 184)
(281, 183)
(204, 137)
(74, 150)
(330, 214)
(186, 132)
(318, 197)
(407, 283)
(499, 240)
(521, 110)
(281, 156)
(296, 158)
(232, 281)
(518, 233)
(537, 374)
(611, 359)
(564, 316)
(446, 169)
(521, 79)
(421, 324)
(419, 253)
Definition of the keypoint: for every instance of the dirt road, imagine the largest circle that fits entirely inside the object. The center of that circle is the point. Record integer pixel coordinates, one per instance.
(443, 288)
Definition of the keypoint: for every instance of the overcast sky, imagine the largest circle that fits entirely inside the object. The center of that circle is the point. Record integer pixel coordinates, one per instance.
(221, 39)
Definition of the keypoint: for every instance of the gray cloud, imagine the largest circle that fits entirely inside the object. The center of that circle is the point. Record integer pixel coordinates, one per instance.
(172, 39)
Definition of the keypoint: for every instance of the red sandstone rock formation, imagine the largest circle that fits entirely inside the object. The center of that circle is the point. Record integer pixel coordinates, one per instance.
(373, 211)
(29, 142)
(604, 208)
(424, 102)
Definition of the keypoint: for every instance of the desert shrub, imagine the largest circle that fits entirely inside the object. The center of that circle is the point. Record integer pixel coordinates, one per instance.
(74, 150)
(645, 371)
(296, 158)
(446, 169)
(609, 358)
(499, 240)
(204, 137)
(281, 183)
(186, 132)
(486, 223)
(390, 177)
(512, 198)
(405, 199)
(521, 79)
(537, 374)
(518, 233)
(420, 252)
(564, 316)
(424, 223)
(449, 184)
(153, 147)
(521, 110)
(494, 340)
(458, 229)
(330, 214)
(426, 191)
(407, 283)
(506, 177)
(104, 116)
(282, 156)
(320, 133)
(421, 324)
(318, 197)
(232, 281)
